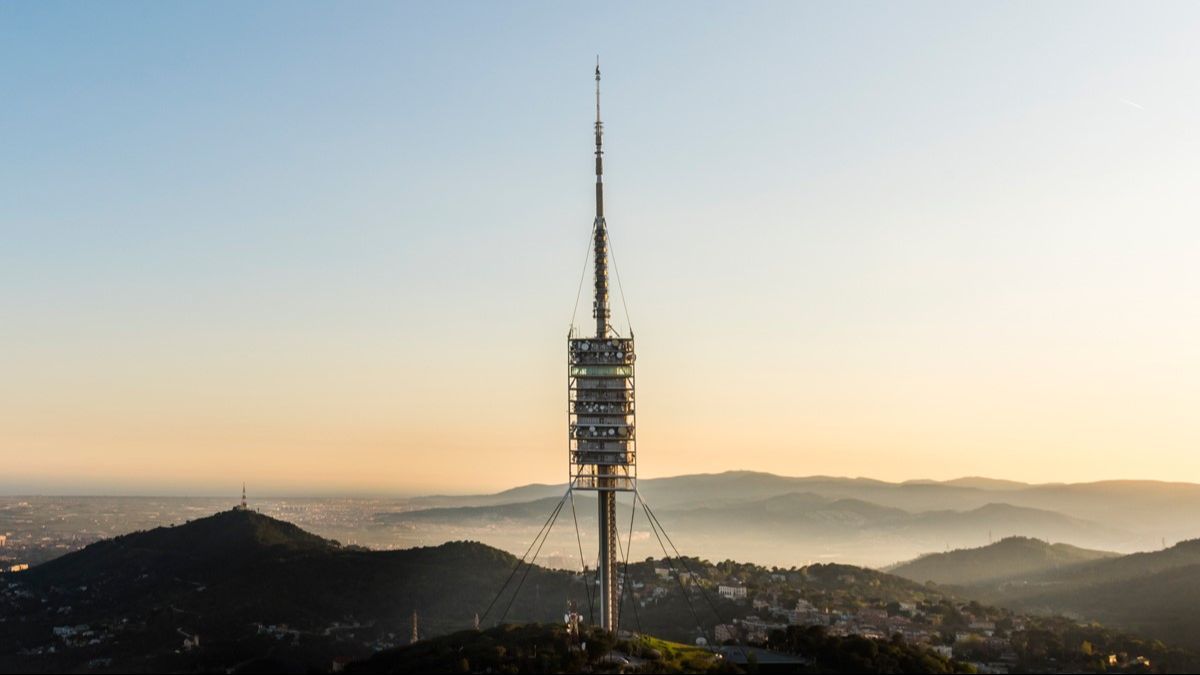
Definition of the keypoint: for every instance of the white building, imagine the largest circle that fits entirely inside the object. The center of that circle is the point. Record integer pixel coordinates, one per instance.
(737, 592)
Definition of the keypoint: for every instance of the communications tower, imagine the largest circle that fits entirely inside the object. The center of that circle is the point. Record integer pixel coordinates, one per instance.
(600, 384)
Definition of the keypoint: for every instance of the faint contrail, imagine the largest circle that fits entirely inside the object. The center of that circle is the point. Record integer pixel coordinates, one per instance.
(1136, 105)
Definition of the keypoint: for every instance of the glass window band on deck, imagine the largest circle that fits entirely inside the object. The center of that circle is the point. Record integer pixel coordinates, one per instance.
(602, 371)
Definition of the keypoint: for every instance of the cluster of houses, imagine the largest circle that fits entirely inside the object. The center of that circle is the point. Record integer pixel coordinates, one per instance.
(773, 601)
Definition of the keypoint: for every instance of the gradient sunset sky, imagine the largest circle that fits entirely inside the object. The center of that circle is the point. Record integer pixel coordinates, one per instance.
(334, 248)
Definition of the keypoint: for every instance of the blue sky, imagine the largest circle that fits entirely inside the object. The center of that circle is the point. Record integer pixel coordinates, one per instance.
(898, 240)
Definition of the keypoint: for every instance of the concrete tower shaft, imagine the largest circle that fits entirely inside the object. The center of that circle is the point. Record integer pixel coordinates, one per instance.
(606, 499)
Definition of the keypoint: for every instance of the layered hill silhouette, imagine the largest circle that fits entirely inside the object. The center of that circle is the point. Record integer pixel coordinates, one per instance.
(1149, 508)
(1011, 558)
(856, 520)
(1155, 593)
(263, 594)
(780, 520)
(1095, 573)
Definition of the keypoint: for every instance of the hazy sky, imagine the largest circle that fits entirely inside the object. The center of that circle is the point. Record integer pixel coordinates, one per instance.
(335, 247)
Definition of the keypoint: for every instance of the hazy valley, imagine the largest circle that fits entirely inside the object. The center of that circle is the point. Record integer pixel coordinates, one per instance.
(1086, 552)
(764, 518)
(240, 591)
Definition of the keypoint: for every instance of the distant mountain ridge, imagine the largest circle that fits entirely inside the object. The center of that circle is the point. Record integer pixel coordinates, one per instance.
(1117, 515)
(776, 520)
(921, 494)
(980, 482)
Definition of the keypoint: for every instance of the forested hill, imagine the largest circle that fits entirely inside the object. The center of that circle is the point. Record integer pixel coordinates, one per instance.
(249, 585)
(1008, 558)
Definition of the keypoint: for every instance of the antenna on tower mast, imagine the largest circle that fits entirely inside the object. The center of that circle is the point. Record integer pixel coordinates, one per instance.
(600, 245)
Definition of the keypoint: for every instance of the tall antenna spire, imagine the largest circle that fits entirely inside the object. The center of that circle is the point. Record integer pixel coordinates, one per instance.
(599, 149)
(600, 304)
